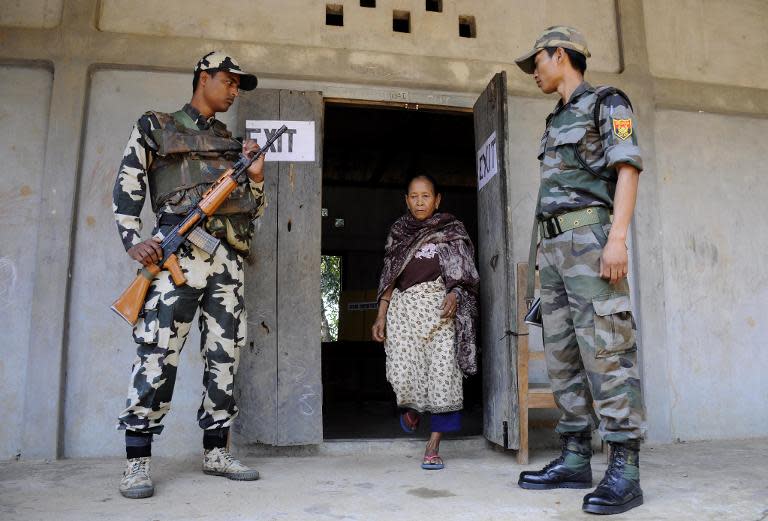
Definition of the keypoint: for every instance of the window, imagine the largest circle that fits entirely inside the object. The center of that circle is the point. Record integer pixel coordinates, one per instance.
(467, 27)
(436, 6)
(367, 3)
(330, 290)
(334, 14)
(401, 21)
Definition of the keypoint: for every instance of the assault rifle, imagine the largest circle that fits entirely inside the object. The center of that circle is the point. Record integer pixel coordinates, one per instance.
(131, 301)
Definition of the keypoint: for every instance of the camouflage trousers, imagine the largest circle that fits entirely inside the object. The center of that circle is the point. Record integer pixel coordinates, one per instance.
(589, 338)
(215, 286)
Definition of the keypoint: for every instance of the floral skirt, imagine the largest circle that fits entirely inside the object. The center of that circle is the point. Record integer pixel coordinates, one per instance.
(421, 358)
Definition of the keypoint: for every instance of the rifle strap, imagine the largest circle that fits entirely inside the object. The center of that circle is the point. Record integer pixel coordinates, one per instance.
(602, 92)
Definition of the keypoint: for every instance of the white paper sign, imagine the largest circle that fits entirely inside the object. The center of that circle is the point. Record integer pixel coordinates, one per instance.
(296, 144)
(487, 166)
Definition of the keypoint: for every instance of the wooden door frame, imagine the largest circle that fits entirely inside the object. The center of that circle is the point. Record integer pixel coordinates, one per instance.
(426, 107)
(370, 97)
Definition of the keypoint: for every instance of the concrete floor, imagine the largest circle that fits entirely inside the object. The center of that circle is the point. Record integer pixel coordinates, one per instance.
(725, 480)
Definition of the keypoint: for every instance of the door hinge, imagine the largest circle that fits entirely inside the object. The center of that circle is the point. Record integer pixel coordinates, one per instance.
(506, 434)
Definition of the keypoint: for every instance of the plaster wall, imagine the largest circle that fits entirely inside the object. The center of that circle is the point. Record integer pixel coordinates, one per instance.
(22, 145)
(31, 13)
(526, 125)
(505, 28)
(715, 284)
(714, 41)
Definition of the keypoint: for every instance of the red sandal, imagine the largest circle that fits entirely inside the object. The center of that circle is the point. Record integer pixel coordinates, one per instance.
(432, 462)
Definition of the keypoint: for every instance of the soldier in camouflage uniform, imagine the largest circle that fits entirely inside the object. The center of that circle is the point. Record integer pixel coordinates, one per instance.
(178, 156)
(590, 164)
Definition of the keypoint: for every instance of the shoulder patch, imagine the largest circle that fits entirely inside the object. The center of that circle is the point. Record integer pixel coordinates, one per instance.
(622, 128)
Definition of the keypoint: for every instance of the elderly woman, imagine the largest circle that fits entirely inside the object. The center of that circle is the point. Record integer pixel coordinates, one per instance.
(427, 313)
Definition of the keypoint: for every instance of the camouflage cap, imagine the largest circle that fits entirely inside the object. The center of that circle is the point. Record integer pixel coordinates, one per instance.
(219, 60)
(555, 36)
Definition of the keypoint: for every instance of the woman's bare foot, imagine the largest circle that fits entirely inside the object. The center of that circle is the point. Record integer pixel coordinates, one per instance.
(433, 444)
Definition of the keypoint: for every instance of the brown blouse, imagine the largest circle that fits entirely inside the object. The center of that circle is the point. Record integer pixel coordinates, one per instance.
(423, 267)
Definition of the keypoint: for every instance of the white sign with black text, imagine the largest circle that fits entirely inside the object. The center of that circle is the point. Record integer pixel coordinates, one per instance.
(296, 144)
(487, 165)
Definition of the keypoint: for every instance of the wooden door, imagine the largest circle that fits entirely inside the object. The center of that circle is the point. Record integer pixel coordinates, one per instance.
(497, 296)
(278, 387)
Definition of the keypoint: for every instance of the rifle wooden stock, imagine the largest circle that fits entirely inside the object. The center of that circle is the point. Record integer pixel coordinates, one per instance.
(131, 301)
(172, 263)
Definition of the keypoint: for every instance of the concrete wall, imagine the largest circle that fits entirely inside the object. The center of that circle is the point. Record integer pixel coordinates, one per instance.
(697, 283)
(504, 27)
(714, 41)
(715, 282)
(22, 147)
(31, 13)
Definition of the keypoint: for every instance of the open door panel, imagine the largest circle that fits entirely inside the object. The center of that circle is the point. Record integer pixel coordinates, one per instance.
(497, 297)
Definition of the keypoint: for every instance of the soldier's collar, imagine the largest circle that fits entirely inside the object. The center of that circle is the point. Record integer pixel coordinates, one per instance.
(581, 89)
(578, 91)
(202, 122)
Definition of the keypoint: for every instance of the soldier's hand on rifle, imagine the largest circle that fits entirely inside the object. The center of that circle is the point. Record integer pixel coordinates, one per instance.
(147, 252)
(256, 170)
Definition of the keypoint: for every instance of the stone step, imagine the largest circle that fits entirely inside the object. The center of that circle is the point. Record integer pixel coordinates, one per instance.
(391, 446)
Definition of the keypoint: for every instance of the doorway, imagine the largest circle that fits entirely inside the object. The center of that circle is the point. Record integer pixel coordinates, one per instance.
(369, 152)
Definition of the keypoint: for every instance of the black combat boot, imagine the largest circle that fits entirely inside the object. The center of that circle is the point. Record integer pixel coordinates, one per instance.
(570, 470)
(619, 490)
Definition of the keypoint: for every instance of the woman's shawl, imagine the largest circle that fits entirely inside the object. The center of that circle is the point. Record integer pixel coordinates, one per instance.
(457, 266)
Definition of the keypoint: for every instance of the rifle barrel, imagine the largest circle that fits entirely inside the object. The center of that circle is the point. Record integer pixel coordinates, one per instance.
(260, 152)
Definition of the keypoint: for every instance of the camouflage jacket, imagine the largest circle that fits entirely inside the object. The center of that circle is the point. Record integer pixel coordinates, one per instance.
(130, 189)
(565, 184)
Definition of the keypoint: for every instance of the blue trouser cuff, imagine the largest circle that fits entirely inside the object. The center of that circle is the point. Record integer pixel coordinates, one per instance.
(446, 422)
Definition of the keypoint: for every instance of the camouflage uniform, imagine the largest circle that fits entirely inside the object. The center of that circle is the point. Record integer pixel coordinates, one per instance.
(214, 284)
(589, 332)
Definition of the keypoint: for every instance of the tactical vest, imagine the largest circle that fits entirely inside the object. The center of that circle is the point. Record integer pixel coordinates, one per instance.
(188, 160)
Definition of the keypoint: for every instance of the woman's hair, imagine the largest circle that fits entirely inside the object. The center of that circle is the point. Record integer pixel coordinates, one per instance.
(426, 177)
